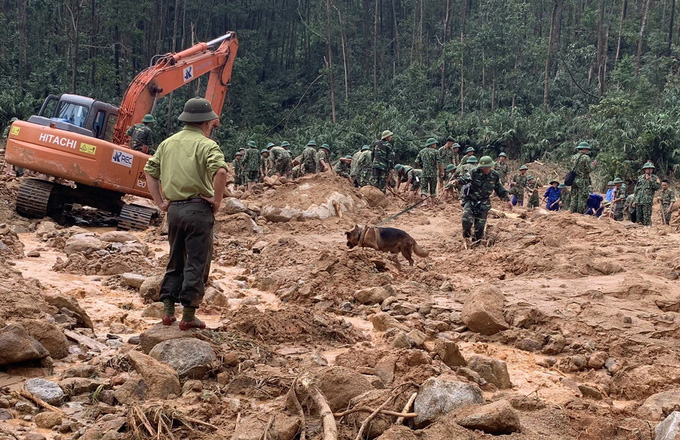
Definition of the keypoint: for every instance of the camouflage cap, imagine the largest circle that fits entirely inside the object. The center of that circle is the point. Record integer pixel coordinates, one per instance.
(472, 159)
(311, 144)
(617, 180)
(485, 162)
(469, 150)
(583, 146)
(252, 144)
(285, 144)
(648, 165)
(523, 167)
(365, 147)
(450, 168)
(386, 134)
(431, 141)
(502, 155)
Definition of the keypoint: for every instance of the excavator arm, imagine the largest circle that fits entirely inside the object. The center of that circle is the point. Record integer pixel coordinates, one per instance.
(174, 70)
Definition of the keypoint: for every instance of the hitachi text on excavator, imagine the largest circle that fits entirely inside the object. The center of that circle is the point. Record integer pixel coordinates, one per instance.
(83, 140)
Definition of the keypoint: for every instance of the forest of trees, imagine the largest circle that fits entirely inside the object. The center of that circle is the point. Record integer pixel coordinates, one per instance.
(530, 77)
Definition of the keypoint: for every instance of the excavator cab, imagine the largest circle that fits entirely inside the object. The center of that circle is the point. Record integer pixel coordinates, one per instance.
(78, 114)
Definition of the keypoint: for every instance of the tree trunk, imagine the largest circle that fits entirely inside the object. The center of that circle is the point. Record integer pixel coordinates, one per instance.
(168, 127)
(23, 5)
(396, 33)
(442, 92)
(329, 51)
(645, 16)
(375, 49)
(600, 47)
(546, 80)
(670, 28)
(345, 61)
(463, 11)
(624, 5)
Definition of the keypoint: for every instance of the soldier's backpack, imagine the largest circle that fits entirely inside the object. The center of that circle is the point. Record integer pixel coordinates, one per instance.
(571, 175)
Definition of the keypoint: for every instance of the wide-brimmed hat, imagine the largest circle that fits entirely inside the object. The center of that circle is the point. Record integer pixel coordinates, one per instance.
(469, 150)
(198, 110)
(554, 181)
(485, 162)
(365, 147)
(583, 146)
(252, 144)
(472, 159)
(311, 144)
(431, 141)
(618, 180)
(285, 144)
(523, 167)
(502, 155)
(386, 134)
(648, 165)
(148, 118)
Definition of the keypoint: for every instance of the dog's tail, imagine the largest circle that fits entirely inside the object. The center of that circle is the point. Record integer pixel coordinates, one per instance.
(420, 251)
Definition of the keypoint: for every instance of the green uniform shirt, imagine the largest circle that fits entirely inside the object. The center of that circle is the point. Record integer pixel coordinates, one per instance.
(429, 161)
(342, 168)
(582, 166)
(482, 186)
(502, 169)
(446, 155)
(140, 135)
(185, 163)
(644, 190)
(354, 168)
(251, 160)
(667, 197)
(383, 157)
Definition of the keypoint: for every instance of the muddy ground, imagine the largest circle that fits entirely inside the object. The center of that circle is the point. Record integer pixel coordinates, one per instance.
(570, 330)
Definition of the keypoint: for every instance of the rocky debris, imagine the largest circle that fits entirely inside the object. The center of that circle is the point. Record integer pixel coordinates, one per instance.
(49, 335)
(148, 339)
(555, 344)
(449, 353)
(16, 345)
(669, 429)
(158, 381)
(215, 298)
(340, 385)
(35, 436)
(69, 303)
(150, 289)
(658, 405)
(231, 206)
(34, 253)
(118, 237)
(190, 357)
(253, 427)
(398, 433)
(495, 418)
(133, 280)
(591, 391)
(383, 322)
(483, 311)
(494, 371)
(374, 197)
(47, 420)
(74, 386)
(46, 390)
(597, 360)
(83, 243)
(10, 245)
(440, 395)
(237, 224)
(374, 295)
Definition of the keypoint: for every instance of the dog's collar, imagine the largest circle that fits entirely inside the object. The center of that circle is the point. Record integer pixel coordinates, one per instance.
(362, 235)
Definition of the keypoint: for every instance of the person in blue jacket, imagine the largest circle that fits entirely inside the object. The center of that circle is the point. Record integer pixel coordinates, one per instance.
(552, 196)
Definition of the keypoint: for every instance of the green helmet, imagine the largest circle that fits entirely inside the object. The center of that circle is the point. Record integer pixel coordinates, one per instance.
(523, 167)
(365, 147)
(239, 153)
(148, 118)
(311, 144)
(386, 134)
(610, 183)
(349, 156)
(485, 162)
(469, 150)
(502, 155)
(271, 144)
(264, 150)
(583, 146)
(472, 159)
(398, 167)
(648, 165)
(617, 180)
(14, 119)
(326, 147)
(431, 141)
(562, 186)
(449, 168)
(285, 144)
(530, 177)
(241, 149)
(252, 144)
(456, 145)
(198, 110)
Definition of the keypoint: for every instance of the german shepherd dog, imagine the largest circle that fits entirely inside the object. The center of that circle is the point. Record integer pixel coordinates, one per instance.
(390, 240)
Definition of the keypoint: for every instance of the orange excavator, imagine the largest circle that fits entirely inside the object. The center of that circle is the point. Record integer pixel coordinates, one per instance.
(83, 140)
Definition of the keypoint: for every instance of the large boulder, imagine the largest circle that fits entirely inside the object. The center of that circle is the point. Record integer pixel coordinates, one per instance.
(118, 237)
(133, 280)
(374, 197)
(495, 418)
(483, 311)
(340, 385)
(373, 295)
(658, 405)
(150, 289)
(49, 335)
(449, 353)
(16, 345)
(190, 357)
(440, 395)
(232, 206)
(158, 381)
(66, 302)
(83, 243)
(45, 390)
(493, 371)
(383, 321)
(148, 339)
(669, 429)
(280, 215)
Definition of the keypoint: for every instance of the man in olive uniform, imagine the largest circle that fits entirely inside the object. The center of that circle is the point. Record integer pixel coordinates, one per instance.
(343, 167)
(323, 157)
(565, 196)
(618, 199)
(532, 190)
(478, 186)
(401, 174)
(519, 183)
(365, 166)
(280, 161)
(580, 189)
(469, 152)
(310, 161)
(647, 184)
(448, 187)
(469, 165)
(446, 154)
(430, 162)
(382, 161)
(354, 167)
(238, 168)
(251, 166)
(141, 136)
(667, 199)
(502, 167)
(192, 195)
(414, 177)
(264, 162)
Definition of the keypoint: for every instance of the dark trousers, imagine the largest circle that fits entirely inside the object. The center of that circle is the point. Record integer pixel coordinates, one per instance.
(474, 215)
(190, 228)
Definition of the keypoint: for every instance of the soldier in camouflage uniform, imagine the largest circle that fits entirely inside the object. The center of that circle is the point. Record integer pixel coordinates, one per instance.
(251, 165)
(446, 154)
(310, 161)
(365, 166)
(280, 161)
(401, 176)
(469, 152)
(618, 199)
(461, 170)
(565, 196)
(502, 167)
(343, 167)
(414, 177)
(141, 136)
(478, 186)
(264, 162)
(323, 157)
(448, 188)
(430, 162)
(519, 183)
(354, 167)
(667, 199)
(580, 189)
(383, 158)
(532, 189)
(238, 168)
(647, 184)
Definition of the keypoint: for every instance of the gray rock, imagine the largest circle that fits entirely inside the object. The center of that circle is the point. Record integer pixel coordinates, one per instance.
(190, 357)
(440, 395)
(493, 371)
(483, 311)
(133, 280)
(659, 404)
(232, 206)
(159, 333)
(215, 297)
(417, 338)
(46, 390)
(669, 429)
(495, 418)
(49, 335)
(85, 243)
(151, 288)
(449, 353)
(118, 237)
(5, 414)
(16, 345)
(401, 340)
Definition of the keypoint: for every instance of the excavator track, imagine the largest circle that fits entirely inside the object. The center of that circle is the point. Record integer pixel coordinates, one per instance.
(135, 217)
(33, 198)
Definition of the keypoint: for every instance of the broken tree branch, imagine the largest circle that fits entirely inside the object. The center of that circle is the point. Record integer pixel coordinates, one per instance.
(330, 429)
(40, 402)
(386, 412)
(368, 419)
(407, 407)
